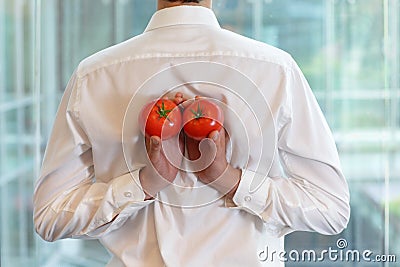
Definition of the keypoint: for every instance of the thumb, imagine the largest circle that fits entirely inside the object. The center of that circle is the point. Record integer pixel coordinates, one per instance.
(155, 148)
(214, 135)
(218, 138)
(192, 148)
(209, 146)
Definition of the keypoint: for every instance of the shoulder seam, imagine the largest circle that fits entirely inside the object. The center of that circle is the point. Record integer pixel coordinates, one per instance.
(82, 73)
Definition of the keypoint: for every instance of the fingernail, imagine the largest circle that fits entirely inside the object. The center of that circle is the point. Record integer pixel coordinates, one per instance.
(215, 136)
(155, 141)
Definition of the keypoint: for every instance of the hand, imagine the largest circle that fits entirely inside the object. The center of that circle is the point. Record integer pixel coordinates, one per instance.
(219, 174)
(179, 99)
(161, 170)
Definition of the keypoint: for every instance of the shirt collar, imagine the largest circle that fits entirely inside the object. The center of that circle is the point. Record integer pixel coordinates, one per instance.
(182, 15)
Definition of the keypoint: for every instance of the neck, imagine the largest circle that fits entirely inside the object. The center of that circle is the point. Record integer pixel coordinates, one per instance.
(161, 4)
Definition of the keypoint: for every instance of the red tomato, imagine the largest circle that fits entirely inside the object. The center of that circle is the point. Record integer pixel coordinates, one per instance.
(202, 117)
(160, 117)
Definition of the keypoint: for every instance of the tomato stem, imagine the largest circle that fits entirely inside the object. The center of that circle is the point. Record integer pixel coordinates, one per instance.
(162, 112)
(199, 113)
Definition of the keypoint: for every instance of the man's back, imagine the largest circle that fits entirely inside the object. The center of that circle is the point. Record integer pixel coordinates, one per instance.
(189, 223)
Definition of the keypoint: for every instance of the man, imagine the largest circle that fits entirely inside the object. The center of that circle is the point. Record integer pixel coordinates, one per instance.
(98, 181)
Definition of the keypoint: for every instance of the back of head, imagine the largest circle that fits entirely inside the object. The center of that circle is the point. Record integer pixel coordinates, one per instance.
(170, 3)
(185, 1)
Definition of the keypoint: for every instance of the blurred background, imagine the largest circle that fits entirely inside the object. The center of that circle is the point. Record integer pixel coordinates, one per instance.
(347, 49)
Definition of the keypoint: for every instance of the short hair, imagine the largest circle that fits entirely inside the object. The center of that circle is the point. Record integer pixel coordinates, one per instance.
(186, 1)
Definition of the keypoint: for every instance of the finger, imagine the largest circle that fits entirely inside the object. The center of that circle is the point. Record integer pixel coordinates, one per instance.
(179, 98)
(192, 148)
(201, 154)
(172, 150)
(182, 142)
(155, 148)
(185, 103)
(218, 137)
(147, 143)
(222, 137)
(214, 135)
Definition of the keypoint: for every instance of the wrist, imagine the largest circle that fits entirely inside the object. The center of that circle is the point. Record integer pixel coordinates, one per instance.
(232, 193)
(228, 182)
(150, 182)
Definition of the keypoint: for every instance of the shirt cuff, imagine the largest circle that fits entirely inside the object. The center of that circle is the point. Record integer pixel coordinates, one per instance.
(254, 202)
(127, 198)
(128, 190)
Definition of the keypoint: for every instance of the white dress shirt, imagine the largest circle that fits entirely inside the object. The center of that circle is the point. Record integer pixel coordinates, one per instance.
(291, 177)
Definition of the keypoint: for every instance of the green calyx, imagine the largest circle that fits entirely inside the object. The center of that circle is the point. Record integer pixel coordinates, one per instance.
(198, 113)
(162, 112)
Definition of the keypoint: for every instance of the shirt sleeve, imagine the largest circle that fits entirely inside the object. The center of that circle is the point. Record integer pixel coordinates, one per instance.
(312, 193)
(68, 201)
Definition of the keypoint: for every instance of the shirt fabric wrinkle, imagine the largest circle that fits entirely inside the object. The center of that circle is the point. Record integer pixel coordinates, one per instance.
(108, 197)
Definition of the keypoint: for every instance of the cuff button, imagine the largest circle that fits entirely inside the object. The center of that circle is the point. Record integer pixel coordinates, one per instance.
(128, 194)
